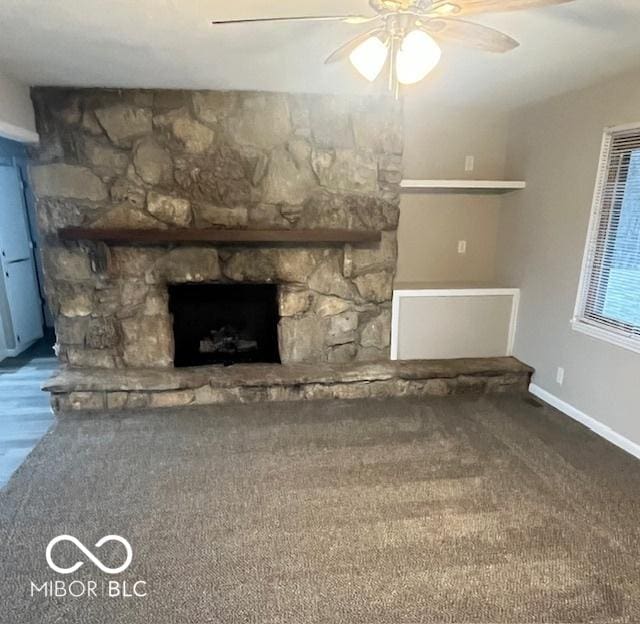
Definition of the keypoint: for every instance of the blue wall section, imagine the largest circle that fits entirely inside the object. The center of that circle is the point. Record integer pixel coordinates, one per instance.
(10, 150)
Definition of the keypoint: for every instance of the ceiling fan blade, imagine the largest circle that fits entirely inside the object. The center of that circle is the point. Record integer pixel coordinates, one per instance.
(344, 50)
(349, 19)
(468, 7)
(361, 19)
(470, 35)
(445, 8)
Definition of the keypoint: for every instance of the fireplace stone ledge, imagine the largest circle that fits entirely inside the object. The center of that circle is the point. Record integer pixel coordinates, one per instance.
(74, 389)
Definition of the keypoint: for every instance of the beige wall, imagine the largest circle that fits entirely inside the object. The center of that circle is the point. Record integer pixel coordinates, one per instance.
(555, 146)
(436, 144)
(429, 231)
(17, 120)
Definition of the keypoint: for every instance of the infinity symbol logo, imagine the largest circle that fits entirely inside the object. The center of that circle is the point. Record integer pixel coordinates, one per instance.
(76, 542)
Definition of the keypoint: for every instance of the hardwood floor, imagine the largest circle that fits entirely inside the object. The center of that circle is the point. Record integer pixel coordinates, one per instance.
(25, 414)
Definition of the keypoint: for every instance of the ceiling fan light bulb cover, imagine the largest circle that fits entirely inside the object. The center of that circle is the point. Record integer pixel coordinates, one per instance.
(418, 55)
(369, 57)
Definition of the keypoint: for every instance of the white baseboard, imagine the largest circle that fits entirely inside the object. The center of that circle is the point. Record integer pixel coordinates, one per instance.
(596, 426)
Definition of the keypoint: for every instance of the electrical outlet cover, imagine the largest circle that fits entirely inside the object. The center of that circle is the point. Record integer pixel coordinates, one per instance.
(469, 163)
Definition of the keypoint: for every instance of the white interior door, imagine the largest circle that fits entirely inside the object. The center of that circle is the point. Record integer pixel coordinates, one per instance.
(20, 304)
(15, 243)
(24, 303)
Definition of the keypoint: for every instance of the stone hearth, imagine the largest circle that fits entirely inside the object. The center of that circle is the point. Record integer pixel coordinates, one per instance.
(97, 389)
(176, 160)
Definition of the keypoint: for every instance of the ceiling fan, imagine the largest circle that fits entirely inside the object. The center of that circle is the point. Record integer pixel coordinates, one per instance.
(406, 32)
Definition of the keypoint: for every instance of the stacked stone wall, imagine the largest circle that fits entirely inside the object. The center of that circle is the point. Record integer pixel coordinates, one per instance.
(165, 159)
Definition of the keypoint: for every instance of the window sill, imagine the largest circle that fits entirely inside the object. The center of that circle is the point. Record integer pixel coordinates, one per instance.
(612, 337)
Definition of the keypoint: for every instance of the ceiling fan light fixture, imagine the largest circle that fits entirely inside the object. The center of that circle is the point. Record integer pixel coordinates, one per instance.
(418, 55)
(400, 38)
(369, 57)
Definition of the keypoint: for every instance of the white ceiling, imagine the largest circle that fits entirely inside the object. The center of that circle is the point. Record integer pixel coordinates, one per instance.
(169, 43)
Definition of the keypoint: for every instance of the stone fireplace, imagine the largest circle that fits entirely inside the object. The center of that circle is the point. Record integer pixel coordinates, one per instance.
(300, 196)
(239, 161)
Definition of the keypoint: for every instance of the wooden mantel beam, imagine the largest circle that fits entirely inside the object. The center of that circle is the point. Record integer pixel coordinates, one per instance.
(223, 237)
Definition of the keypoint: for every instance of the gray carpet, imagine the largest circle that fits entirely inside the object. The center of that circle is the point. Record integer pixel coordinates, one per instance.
(395, 511)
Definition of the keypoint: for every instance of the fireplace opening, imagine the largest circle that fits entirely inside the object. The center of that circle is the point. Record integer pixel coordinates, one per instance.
(224, 323)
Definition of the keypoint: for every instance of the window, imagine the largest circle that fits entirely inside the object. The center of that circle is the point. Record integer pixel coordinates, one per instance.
(608, 303)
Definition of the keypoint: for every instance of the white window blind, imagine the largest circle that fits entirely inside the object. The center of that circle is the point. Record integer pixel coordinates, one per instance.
(608, 303)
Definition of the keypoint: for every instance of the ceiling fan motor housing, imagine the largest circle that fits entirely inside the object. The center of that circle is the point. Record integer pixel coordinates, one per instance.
(394, 6)
(399, 24)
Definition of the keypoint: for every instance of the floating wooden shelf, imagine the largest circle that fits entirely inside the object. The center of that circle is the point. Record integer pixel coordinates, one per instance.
(221, 237)
(463, 186)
